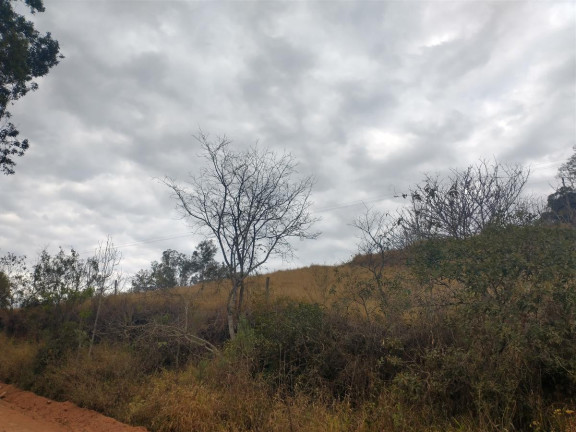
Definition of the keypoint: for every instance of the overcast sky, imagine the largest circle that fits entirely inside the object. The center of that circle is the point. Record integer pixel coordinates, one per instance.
(367, 95)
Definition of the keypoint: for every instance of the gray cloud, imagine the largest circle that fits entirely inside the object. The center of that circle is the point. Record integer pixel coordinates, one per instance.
(366, 95)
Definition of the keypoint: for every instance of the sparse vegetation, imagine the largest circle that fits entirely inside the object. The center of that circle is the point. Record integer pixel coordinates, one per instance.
(455, 334)
(178, 269)
(251, 203)
(460, 344)
(465, 202)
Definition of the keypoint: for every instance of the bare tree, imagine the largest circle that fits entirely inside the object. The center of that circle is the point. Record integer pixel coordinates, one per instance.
(381, 239)
(251, 204)
(465, 202)
(379, 235)
(103, 265)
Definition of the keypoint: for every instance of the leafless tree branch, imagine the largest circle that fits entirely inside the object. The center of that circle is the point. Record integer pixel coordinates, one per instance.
(465, 202)
(251, 204)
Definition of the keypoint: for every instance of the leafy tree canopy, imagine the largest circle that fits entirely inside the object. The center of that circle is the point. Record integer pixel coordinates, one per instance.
(13, 267)
(5, 291)
(567, 172)
(178, 269)
(562, 203)
(25, 54)
(61, 277)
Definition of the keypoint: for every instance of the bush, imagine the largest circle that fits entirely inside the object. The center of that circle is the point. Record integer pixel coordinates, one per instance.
(507, 324)
(300, 347)
(105, 382)
(287, 344)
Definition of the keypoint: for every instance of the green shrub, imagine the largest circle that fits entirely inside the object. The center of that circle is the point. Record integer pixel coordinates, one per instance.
(509, 310)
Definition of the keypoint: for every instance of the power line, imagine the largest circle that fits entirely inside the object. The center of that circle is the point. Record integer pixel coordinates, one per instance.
(320, 210)
(353, 203)
(159, 239)
(181, 235)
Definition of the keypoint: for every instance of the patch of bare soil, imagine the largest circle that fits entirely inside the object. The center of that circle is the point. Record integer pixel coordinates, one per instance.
(22, 411)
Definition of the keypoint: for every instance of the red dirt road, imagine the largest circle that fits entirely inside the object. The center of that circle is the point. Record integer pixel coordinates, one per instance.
(22, 411)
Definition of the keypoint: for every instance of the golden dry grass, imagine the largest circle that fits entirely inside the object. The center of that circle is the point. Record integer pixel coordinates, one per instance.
(314, 284)
(104, 381)
(218, 396)
(17, 360)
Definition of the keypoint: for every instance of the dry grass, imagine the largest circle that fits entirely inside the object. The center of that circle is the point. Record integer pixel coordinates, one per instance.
(17, 360)
(224, 393)
(310, 284)
(206, 401)
(104, 382)
(314, 284)
(178, 402)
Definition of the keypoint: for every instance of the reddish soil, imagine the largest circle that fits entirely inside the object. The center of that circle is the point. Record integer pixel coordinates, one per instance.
(22, 411)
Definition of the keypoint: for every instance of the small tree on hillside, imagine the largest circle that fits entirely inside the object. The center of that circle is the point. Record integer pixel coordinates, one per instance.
(5, 291)
(567, 172)
(466, 201)
(58, 278)
(561, 206)
(251, 204)
(562, 203)
(178, 269)
(379, 236)
(103, 264)
(380, 239)
(203, 267)
(17, 274)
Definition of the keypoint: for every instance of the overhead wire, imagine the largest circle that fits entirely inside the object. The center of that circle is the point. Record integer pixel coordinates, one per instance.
(320, 210)
(155, 240)
(171, 237)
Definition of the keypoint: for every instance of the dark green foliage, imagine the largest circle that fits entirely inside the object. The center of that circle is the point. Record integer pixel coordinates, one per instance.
(291, 343)
(501, 262)
(5, 291)
(24, 55)
(178, 269)
(504, 337)
(61, 277)
(303, 347)
(14, 268)
(561, 206)
(143, 281)
(567, 172)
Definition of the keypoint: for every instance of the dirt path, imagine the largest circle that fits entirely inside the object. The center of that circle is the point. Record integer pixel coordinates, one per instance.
(22, 411)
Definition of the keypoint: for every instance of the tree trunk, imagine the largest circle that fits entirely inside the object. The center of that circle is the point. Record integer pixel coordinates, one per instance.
(186, 306)
(95, 324)
(231, 309)
(240, 302)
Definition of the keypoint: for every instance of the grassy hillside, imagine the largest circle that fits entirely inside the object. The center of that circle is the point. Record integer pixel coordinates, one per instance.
(469, 335)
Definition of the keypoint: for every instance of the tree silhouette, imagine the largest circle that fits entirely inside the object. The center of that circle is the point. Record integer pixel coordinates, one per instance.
(24, 55)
